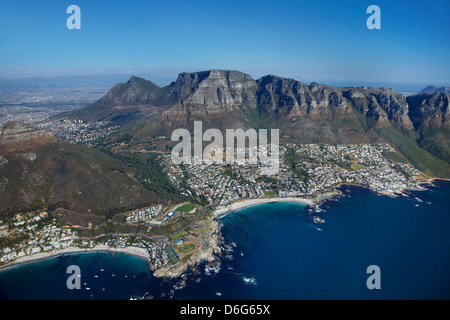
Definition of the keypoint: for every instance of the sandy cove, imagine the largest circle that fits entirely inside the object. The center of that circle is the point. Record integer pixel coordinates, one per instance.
(253, 202)
(135, 251)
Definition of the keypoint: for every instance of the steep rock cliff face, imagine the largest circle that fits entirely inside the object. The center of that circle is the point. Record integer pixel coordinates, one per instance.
(209, 92)
(381, 106)
(297, 99)
(430, 109)
(218, 92)
(430, 114)
(396, 107)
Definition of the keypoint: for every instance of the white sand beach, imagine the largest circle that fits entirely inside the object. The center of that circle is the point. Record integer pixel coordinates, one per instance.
(135, 251)
(252, 202)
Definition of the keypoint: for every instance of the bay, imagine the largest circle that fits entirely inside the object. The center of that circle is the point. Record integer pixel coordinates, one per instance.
(278, 252)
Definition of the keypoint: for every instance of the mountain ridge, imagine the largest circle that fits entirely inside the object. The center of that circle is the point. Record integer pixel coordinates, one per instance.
(314, 113)
(435, 89)
(212, 90)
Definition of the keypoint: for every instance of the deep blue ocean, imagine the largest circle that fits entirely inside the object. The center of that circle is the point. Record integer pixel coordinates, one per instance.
(285, 252)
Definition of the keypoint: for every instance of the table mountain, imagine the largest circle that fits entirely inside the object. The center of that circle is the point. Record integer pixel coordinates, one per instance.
(314, 113)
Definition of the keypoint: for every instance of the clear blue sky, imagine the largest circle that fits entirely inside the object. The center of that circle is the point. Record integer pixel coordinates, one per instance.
(321, 40)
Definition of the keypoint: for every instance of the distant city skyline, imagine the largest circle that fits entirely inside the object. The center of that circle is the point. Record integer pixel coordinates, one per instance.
(325, 41)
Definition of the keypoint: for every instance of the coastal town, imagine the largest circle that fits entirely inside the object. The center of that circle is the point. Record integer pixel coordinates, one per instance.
(37, 235)
(31, 234)
(306, 173)
(314, 169)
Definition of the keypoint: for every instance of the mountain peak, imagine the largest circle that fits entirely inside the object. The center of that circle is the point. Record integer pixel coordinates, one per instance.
(135, 78)
(138, 81)
(434, 89)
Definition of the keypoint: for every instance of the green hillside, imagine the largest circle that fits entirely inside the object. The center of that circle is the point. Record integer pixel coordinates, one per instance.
(417, 156)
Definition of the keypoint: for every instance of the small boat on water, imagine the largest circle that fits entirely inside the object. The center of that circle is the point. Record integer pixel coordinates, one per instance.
(318, 220)
(248, 280)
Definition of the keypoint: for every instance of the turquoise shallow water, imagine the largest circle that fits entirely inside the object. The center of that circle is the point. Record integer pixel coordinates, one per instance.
(281, 247)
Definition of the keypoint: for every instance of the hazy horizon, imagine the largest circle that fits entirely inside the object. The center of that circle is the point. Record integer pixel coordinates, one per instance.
(164, 79)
